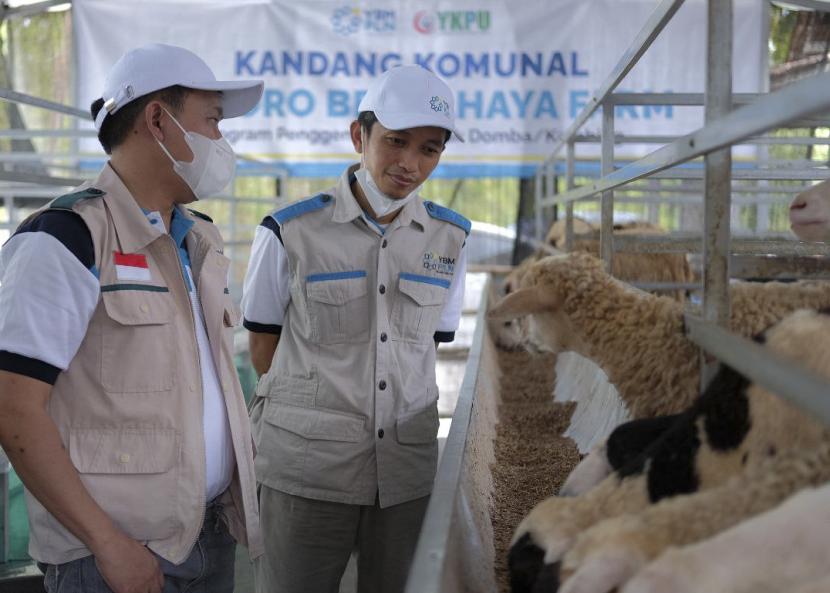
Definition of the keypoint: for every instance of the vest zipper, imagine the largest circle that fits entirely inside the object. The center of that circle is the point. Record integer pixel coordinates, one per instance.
(202, 494)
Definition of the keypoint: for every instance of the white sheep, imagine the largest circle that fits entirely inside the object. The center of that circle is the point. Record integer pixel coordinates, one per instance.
(646, 366)
(616, 550)
(631, 267)
(572, 304)
(810, 213)
(733, 427)
(778, 550)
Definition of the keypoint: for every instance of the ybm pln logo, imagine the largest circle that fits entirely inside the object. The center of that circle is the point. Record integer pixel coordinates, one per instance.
(348, 20)
(452, 21)
(439, 263)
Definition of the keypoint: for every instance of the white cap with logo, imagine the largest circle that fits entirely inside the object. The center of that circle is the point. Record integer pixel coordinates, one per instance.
(411, 97)
(156, 66)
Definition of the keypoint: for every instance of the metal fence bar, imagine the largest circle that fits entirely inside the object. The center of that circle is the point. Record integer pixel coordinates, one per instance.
(818, 5)
(46, 133)
(570, 153)
(39, 179)
(15, 97)
(537, 203)
(796, 100)
(692, 244)
(718, 165)
(786, 378)
(654, 25)
(654, 139)
(606, 239)
(697, 189)
(428, 562)
(751, 174)
(678, 99)
(27, 10)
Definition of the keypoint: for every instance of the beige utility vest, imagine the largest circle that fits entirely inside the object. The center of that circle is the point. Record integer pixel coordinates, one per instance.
(129, 407)
(349, 405)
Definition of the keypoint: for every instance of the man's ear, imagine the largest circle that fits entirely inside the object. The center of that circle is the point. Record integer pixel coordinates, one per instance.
(523, 302)
(152, 119)
(356, 136)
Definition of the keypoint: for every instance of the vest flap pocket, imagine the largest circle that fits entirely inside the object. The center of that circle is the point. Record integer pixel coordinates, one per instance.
(138, 307)
(336, 291)
(423, 292)
(232, 315)
(316, 423)
(123, 451)
(418, 428)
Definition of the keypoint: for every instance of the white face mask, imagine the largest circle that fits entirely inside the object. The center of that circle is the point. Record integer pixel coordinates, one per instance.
(381, 203)
(212, 167)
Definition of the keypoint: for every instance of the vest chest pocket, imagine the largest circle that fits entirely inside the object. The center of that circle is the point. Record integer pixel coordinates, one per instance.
(418, 307)
(338, 307)
(138, 353)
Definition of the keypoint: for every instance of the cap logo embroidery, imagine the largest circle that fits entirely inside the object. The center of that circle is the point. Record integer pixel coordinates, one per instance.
(440, 105)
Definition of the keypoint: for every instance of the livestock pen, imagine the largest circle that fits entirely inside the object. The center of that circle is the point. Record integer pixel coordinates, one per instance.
(459, 548)
(457, 551)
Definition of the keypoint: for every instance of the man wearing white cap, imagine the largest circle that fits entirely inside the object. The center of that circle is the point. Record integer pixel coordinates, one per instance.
(120, 407)
(357, 285)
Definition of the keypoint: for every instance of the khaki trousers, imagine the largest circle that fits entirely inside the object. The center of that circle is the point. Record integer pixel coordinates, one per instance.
(308, 544)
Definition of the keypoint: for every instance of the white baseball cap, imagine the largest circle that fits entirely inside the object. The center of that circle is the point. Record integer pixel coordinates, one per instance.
(156, 66)
(411, 97)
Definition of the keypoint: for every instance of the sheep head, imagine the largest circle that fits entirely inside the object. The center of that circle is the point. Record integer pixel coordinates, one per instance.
(543, 325)
(810, 213)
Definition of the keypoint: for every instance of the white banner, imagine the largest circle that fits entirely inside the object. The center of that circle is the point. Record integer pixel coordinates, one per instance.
(521, 69)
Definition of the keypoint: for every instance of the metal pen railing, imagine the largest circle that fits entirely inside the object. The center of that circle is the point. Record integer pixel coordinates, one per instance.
(799, 104)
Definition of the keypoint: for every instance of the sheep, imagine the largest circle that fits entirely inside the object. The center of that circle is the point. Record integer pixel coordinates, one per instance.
(749, 556)
(508, 334)
(636, 338)
(734, 426)
(631, 267)
(810, 213)
(556, 232)
(776, 551)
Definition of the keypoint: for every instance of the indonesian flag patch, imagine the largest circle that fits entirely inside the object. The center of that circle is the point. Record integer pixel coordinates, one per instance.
(131, 266)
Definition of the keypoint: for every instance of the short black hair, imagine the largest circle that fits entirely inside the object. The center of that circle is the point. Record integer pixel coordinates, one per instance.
(118, 125)
(368, 118)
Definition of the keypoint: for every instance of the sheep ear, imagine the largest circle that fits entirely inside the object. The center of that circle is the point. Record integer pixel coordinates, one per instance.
(522, 302)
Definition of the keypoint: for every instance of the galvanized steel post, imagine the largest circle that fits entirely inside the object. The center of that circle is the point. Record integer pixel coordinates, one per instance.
(606, 233)
(718, 164)
(537, 204)
(569, 206)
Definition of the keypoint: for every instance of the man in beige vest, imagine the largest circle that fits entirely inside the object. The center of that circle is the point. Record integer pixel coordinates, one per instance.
(357, 286)
(120, 408)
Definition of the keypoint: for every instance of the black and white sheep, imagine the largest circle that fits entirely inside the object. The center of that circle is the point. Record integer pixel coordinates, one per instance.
(733, 427)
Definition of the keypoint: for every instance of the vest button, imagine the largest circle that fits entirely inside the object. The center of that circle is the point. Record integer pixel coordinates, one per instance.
(124, 458)
(144, 308)
(382, 385)
(382, 289)
(383, 245)
(380, 433)
(383, 336)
